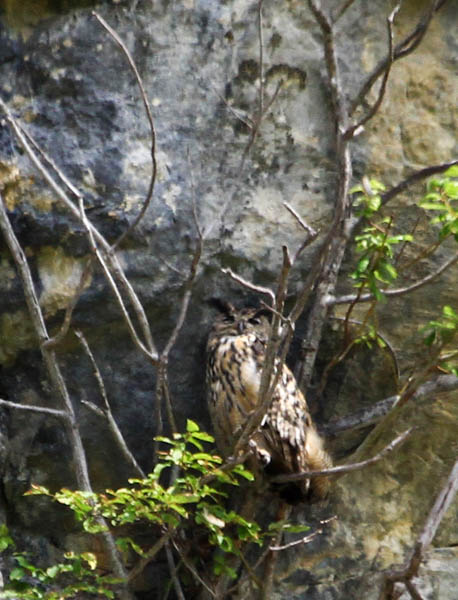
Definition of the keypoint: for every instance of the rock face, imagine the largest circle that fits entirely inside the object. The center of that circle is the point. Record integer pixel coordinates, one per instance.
(63, 76)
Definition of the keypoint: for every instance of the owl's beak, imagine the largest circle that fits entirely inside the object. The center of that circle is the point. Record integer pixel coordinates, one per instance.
(241, 325)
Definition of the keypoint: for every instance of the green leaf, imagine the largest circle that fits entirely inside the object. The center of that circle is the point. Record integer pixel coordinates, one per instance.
(191, 426)
(452, 171)
(432, 206)
(38, 490)
(451, 189)
(17, 574)
(355, 189)
(434, 184)
(204, 437)
(449, 312)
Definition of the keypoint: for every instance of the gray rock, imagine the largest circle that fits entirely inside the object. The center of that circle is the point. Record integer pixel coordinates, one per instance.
(71, 87)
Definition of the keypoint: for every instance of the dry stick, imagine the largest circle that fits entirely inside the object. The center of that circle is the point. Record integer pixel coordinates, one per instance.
(403, 48)
(343, 469)
(191, 568)
(333, 249)
(414, 178)
(435, 516)
(149, 115)
(373, 414)
(106, 411)
(58, 382)
(305, 540)
(331, 301)
(173, 573)
(312, 234)
(272, 367)
(148, 557)
(254, 123)
(356, 128)
(257, 118)
(251, 286)
(60, 414)
(150, 350)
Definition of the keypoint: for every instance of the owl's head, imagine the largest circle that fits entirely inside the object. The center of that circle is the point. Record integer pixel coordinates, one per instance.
(233, 321)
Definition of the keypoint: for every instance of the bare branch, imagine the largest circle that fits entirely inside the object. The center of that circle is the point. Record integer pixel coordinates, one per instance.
(106, 412)
(191, 568)
(60, 414)
(350, 298)
(97, 236)
(311, 236)
(261, 59)
(341, 470)
(414, 178)
(173, 572)
(251, 286)
(325, 271)
(148, 557)
(273, 365)
(358, 127)
(307, 228)
(426, 536)
(373, 414)
(403, 48)
(58, 382)
(149, 115)
(304, 540)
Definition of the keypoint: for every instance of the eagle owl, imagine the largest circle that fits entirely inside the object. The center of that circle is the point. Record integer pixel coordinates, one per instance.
(287, 440)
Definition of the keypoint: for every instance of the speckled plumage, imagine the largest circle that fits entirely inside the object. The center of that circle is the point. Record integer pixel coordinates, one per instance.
(287, 440)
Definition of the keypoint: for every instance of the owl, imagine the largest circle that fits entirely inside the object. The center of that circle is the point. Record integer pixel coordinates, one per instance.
(287, 440)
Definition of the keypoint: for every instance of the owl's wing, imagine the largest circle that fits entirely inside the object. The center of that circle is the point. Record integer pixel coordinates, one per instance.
(292, 436)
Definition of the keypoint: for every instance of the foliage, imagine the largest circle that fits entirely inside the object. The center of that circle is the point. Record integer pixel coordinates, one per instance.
(74, 576)
(442, 198)
(441, 333)
(194, 496)
(375, 244)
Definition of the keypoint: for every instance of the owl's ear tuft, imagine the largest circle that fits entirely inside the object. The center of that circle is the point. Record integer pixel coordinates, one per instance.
(222, 306)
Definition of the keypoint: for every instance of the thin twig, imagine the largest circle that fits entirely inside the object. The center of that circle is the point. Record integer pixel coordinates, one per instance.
(149, 115)
(325, 273)
(342, 469)
(148, 557)
(403, 48)
(58, 382)
(425, 538)
(106, 412)
(373, 414)
(414, 178)
(311, 236)
(304, 540)
(91, 230)
(173, 572)
(357, 127)
(251, 286)
(272, 368)
(191, 568)
(383, 338)
(349, 298)
(60, 414)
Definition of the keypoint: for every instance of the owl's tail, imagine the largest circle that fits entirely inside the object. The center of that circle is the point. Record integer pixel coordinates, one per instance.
(316, 458)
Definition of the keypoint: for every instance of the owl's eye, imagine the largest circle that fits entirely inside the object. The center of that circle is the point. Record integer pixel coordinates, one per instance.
(254, 321)
(229, 319)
